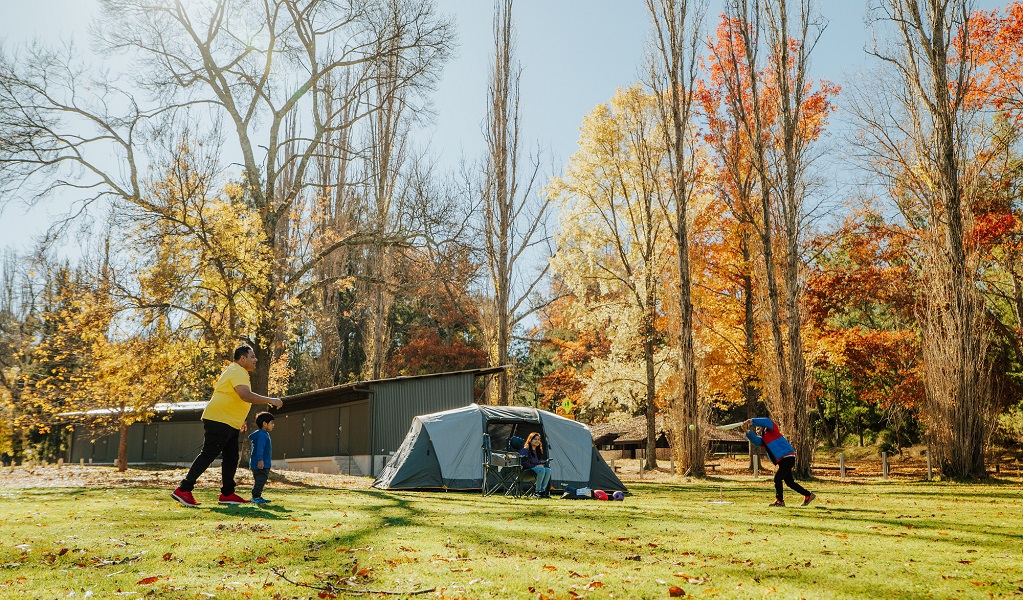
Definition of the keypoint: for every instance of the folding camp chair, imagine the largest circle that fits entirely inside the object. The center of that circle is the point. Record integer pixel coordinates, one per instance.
(524, 483)
(501, 469)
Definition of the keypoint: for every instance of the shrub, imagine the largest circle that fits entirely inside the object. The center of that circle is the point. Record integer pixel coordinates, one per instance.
(887, 442)
(1010, 425)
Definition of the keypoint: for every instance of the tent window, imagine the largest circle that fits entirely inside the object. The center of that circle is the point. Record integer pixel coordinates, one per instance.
(501, 431)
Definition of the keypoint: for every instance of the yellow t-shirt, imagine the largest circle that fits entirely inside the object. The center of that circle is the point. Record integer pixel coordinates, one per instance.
(226, 406)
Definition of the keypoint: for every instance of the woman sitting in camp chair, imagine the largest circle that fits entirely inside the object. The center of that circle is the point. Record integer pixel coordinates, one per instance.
(532, 458)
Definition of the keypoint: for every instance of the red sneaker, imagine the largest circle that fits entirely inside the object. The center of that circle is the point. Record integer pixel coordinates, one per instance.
(776, 504)
(232, 499)
(184, 498)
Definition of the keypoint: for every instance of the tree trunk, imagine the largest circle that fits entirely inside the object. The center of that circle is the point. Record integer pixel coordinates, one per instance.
(958, 406)
(750, 389)
(677, 38)
(122, 447)
(509, 230)
(649, 332)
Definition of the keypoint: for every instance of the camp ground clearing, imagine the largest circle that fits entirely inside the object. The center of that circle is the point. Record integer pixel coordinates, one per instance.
(337, 536)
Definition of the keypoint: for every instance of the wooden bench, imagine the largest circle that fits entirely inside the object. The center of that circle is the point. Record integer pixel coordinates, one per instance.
(829, 468)
(712, 466)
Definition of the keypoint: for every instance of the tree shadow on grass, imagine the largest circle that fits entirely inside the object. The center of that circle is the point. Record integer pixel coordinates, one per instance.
(250, 511)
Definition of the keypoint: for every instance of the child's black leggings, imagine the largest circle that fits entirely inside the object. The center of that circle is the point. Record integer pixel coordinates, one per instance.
(784, 473)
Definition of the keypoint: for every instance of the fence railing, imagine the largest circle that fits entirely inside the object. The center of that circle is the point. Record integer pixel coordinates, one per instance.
(918, 466)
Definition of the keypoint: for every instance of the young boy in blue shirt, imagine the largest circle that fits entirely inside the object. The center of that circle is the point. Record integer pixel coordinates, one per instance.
(259, 459)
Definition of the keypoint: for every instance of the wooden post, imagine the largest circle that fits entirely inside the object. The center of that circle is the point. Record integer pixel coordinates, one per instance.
(672, 457)
(81, 462)
(60, 463)
(756, 466)
(930, 475)
(841, 465)
(884, 465)
(613, 465)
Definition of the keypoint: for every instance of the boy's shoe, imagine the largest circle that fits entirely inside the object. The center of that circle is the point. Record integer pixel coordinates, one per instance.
(776, 504)
(232, 499)
(259, 501)
(809, 499)
(185, 498)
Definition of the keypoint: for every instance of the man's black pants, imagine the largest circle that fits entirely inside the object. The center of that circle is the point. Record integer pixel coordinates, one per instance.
(219, 439)
(784, 473)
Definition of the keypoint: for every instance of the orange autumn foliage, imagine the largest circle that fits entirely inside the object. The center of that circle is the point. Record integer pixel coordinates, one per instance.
(427, 352)
(996, 42)
(861, 299)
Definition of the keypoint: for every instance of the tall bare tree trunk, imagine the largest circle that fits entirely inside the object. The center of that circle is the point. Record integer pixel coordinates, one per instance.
(750, 381)
(673, 68)
(780, 182)
(790, 72)
(934, 80)
(387, 148)
(510, 229)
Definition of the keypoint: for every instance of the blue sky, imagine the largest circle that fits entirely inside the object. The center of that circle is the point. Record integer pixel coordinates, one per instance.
(575, 54)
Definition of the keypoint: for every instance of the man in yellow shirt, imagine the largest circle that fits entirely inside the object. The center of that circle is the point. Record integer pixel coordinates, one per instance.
(223, 420)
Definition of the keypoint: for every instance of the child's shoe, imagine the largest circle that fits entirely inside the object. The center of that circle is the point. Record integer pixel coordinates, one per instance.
(259, 501)
(809, 499)
(776, 504)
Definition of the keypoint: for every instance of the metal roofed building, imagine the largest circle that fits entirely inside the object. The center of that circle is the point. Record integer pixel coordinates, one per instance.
(351, 428)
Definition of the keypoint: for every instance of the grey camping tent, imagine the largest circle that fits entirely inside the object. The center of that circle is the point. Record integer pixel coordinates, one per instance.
(444, 449)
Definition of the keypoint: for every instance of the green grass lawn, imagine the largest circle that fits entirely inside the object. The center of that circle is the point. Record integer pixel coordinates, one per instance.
(875, 540)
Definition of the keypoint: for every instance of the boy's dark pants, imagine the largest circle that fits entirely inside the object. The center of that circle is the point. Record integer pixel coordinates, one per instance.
(219, 439)
(784, 473)
(259, 477)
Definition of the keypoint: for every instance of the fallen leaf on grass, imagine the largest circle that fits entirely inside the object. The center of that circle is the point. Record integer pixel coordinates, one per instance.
(461, 570)
(549, 568)
(148, 580)
(167, 556)
(593, 585)
(676, 592)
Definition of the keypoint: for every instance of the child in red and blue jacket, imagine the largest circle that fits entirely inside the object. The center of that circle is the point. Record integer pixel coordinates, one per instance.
(781, 454)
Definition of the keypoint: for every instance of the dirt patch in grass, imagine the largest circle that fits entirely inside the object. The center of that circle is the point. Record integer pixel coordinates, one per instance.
(74, 476)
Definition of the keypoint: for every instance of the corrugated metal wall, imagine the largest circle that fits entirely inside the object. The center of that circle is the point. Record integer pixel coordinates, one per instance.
(326, 431)
(395, 403)
(158, 442)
